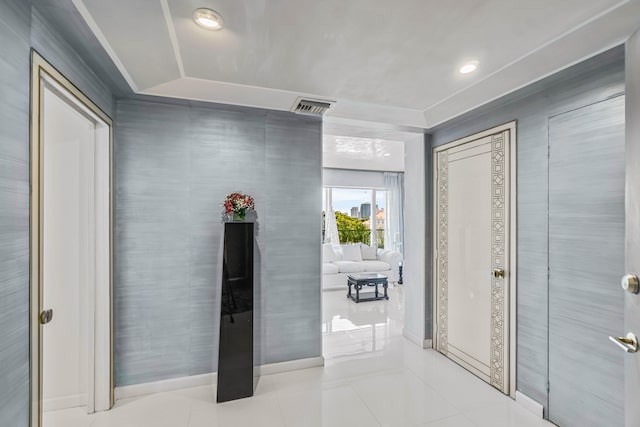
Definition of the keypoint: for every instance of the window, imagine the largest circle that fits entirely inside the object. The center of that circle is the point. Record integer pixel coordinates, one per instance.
(359, 213)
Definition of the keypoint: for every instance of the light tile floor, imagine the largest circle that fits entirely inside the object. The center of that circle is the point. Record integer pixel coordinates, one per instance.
(372, 377)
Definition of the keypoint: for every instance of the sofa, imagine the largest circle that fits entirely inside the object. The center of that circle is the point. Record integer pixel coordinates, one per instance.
(340, 260)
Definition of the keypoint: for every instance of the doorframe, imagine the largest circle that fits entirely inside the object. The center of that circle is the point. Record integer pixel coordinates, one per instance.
(41, 70)
(513, 240)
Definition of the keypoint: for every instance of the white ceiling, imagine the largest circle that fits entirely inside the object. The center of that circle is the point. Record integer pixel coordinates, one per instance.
(349, 152)
(390, 62)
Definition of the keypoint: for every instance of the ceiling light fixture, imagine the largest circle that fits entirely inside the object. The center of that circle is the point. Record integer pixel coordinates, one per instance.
(207, 18)
(469, 67)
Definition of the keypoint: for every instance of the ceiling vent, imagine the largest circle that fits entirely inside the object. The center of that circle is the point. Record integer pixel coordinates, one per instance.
(311, 107)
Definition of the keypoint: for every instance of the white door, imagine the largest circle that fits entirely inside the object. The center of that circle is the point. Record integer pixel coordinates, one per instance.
(72, 345)
(472, 250)
(68, 254)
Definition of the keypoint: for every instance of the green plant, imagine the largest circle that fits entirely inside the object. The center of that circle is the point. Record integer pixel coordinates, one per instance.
(352, 230)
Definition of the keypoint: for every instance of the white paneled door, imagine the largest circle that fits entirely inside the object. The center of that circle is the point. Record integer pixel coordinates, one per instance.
(472, 248)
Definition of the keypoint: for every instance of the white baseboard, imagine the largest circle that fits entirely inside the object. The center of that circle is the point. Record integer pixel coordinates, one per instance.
(172, 384)
(291, 365)
(416, 340)
(529, 404)
(331, 288)
(129, 391)
(65, 402)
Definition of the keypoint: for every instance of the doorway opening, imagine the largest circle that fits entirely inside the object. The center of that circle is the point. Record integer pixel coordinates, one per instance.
(71, 340)
(362, 235)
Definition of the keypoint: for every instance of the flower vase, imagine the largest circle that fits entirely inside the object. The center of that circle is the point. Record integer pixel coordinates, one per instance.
(240, 215)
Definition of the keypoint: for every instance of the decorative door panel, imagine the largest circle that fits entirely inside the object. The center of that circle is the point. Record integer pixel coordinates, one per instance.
(473, 254)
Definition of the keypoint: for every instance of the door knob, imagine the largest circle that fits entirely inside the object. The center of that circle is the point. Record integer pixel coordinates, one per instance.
(630, 283)
(628, 343)
(46, 316)
(498, 273)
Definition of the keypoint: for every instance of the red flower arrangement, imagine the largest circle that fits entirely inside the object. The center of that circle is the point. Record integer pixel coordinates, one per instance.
(237, 204)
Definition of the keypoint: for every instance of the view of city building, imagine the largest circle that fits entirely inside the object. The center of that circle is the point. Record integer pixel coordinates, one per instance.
(365, 210)
(356, 203)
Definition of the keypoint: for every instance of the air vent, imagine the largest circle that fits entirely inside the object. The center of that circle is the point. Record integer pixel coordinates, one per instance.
(311, 107)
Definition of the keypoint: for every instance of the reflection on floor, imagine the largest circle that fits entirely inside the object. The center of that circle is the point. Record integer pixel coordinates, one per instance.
(350, 328)
(373, 377)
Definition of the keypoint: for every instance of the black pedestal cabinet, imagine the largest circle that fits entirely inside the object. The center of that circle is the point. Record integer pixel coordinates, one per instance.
(235, 355)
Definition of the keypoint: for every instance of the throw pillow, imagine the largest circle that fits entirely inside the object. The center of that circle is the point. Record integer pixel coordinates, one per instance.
(368, 252)
(351, 253)
(328, 254)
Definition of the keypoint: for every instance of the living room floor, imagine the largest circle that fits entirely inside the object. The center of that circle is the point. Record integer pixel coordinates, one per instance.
(351, 329)
(372, 376)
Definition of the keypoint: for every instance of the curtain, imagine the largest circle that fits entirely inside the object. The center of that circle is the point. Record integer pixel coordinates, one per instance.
(331, 229)
(394, 211)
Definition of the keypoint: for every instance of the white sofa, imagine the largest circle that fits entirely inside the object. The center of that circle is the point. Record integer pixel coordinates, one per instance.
(339, 261)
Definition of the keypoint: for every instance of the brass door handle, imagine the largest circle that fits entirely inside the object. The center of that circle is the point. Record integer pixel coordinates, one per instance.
(498, 273)
(628, 343)
(630, 283)
(46, 316)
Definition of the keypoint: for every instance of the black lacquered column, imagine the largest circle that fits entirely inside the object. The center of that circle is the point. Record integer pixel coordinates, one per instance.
(235, 354)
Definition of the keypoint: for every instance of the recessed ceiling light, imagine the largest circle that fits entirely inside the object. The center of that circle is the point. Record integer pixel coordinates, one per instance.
(386, 154)
(207, 18)
(469, 67)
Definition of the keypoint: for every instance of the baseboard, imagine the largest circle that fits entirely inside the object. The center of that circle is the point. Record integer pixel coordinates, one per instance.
(291, 365)
(331, 288)
(66, 402)
(416, 340)
(529, 404)
(172, 384)
(136, 390)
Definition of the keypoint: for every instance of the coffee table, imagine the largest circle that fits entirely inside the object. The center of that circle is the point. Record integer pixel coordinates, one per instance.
(360, 280)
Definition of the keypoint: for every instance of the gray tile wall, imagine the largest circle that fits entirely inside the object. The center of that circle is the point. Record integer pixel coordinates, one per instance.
(593, 80)
(174, 164)
(15, 18)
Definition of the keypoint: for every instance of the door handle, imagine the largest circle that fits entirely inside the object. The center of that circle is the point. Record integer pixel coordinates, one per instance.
(630, 283)
(628, 343)
(498, 273)
(46, 316)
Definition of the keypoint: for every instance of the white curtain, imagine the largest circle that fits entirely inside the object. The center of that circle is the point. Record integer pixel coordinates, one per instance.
(394, 211)
(331, 229)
